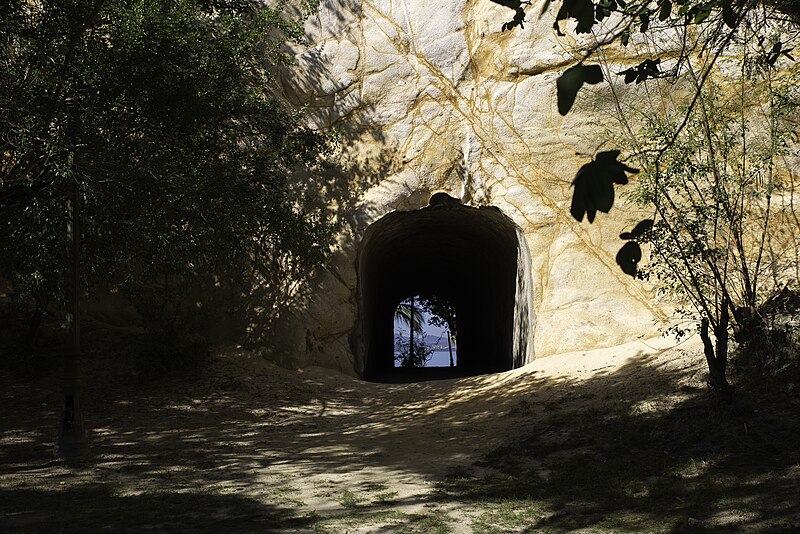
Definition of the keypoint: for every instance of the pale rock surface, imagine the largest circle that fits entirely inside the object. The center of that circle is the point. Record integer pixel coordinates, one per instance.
(431, 96)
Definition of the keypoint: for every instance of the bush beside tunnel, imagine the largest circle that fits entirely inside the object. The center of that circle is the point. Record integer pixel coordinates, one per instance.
(474, 257)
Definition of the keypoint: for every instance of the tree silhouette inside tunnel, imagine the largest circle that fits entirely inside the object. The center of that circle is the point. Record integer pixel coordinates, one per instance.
(425, 330)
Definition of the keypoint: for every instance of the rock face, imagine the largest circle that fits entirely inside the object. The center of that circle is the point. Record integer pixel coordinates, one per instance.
(430, 96)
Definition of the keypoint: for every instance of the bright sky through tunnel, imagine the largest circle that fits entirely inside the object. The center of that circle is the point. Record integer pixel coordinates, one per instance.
(434, 344)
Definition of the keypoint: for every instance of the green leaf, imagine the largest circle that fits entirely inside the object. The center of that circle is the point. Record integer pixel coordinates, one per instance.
(701, 15)
(571, 81)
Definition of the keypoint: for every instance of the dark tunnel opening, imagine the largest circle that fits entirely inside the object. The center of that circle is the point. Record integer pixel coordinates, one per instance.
(475, 258)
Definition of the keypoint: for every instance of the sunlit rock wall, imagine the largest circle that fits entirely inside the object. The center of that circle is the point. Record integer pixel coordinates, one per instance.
(430, 95)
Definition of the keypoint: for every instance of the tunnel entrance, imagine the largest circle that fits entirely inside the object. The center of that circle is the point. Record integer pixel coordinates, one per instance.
(474, 258)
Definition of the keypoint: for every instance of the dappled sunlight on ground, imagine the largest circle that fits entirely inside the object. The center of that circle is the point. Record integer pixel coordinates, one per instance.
(617, 439)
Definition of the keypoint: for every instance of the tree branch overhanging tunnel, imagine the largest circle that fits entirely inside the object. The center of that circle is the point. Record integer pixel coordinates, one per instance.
(476, 258)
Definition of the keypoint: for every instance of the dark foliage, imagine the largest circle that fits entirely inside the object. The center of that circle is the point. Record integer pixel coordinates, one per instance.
(162, 114)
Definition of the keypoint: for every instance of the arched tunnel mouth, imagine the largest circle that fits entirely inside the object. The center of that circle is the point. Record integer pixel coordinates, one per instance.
(474, 257)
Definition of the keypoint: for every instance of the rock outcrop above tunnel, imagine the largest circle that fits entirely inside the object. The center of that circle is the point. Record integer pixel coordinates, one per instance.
(430, 96)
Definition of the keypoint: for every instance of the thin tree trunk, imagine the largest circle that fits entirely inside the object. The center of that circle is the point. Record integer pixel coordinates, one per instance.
(72, 433)
(33, 330)
(411, 336)
(717, 359)
(450, 348)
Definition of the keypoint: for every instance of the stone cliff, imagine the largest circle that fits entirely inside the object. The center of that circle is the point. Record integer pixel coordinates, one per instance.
(430, 96)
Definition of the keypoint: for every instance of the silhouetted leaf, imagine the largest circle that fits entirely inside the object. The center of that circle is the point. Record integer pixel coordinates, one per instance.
(594, 185)
(642, 227)
(604, 8)
(511, 4)
(570, 82)
(625, 37)
(592, 74)
(664, 12)
(638, 230)
(644, 18)
(518, 20)
(776, 52)
(519, 13)
(628, 257)
(630, 74)
(729, 16)
(615, 170)
(580, 10)
(646, 69)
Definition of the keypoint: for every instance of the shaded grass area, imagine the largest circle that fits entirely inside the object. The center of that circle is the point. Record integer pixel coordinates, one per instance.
(697, 466)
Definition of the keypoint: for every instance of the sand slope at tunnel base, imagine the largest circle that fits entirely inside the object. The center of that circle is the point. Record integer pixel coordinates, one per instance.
(424, 431)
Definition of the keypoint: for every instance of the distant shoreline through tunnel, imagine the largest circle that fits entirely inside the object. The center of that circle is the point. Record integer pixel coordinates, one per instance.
(475, 257)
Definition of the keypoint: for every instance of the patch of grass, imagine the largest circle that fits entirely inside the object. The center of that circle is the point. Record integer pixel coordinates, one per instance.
(435, 523)
(375, 486)
(361, 517)
(507, 516)
(284, 495)
(349, 499)
(385, 497)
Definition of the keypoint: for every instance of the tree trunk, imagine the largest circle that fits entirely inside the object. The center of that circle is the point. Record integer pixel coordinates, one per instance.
(450, 348)
(411, 337)
(72, 432)
(33, 330)
(717, 358)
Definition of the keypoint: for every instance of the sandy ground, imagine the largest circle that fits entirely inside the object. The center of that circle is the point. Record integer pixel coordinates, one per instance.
(249, 446)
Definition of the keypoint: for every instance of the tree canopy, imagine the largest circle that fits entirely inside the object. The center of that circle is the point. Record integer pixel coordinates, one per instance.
(162, 114)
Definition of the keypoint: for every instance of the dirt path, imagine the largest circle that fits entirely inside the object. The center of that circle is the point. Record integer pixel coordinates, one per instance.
(621, 439)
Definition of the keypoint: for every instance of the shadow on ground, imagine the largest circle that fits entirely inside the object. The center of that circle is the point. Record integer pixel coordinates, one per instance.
(639, 447)
(630, 465)
(72, 510)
